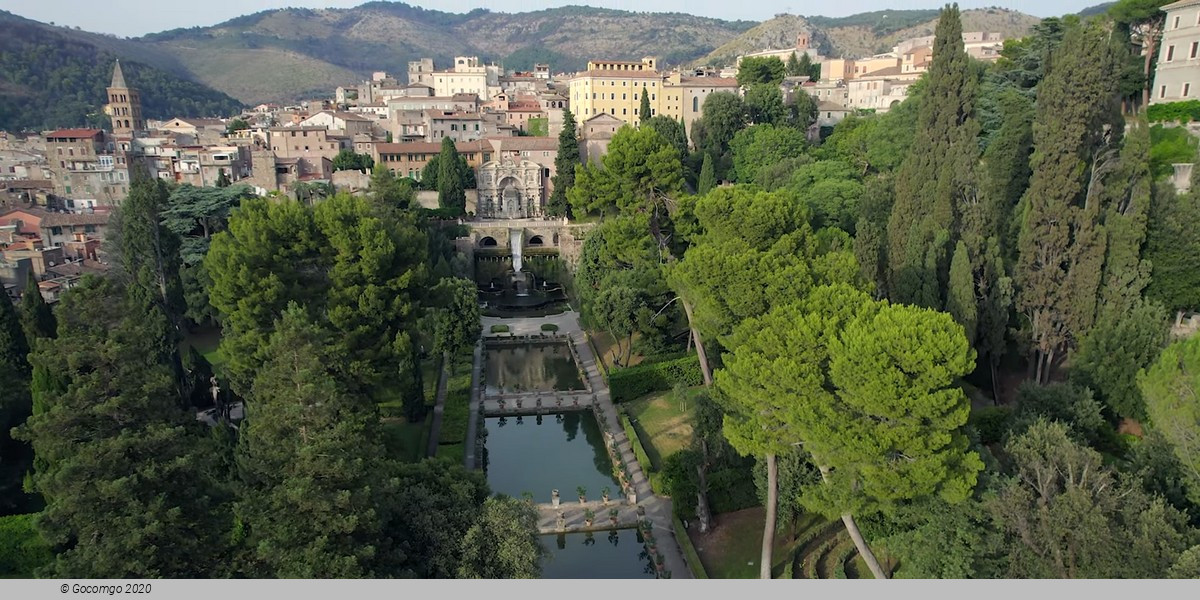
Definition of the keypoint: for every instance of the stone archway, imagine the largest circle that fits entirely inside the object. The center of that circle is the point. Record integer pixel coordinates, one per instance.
(487, 242)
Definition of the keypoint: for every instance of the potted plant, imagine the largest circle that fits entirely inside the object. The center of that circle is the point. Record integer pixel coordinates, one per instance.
(658, 560)
(582, 494)
(612, 516)
(558, 401)
(588, 517)
(518, 402)
(604, 495)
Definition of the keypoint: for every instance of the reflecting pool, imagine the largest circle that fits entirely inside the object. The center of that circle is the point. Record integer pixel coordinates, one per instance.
(615, 554)
(540, 453)
(533, 366)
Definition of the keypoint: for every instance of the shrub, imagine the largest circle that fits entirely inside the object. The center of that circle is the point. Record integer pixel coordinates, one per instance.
(990, 422)
(22, 550)
(392, 410)
(549, 327)
(1182, 112)
(499, 328)
(731, 489)
(639, 451)
(634, 382)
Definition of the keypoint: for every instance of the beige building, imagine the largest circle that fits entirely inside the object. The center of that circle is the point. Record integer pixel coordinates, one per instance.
(1177, 76)
(595, 135)
(468, 76)
(615, 88)
(409, 159)
(304, 150)
(879, 90)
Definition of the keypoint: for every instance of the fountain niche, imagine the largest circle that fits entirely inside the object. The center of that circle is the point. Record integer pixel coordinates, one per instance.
(518, 289)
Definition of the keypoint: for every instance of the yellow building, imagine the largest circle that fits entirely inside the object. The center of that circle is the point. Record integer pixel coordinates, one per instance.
(615, 88)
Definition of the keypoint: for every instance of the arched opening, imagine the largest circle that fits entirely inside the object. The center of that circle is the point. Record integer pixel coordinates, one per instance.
(487, 242)
(894, 104)
(535, 241)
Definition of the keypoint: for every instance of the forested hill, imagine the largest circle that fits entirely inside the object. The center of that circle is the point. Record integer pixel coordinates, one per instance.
(288, 53)
(55, 77)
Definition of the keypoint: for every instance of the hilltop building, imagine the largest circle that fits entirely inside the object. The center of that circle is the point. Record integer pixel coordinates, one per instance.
(1177, 75)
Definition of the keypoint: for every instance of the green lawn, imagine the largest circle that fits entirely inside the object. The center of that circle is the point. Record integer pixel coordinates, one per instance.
(405, 441)
(662, 424)
(732, 548)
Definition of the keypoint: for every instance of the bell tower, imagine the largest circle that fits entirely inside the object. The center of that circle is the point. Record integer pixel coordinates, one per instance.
(124, 106)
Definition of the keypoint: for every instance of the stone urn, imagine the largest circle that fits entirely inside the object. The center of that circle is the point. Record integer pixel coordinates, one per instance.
(554, 498)
(633, 497)
(561, 522)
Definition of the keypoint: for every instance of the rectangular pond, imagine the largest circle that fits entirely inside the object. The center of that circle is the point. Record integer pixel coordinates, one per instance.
(615, 554)
(541, 453)
(531, 367)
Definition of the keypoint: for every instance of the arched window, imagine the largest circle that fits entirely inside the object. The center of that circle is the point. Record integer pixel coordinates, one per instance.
(695, 103)
(487, 242)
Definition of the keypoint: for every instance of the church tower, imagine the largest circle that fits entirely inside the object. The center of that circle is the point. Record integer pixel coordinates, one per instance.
(124, 106)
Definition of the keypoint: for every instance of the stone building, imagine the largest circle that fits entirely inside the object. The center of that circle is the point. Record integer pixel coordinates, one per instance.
(124, 106)
(510, 188)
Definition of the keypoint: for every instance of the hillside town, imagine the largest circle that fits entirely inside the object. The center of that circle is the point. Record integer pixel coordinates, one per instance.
(928, 311)
(59, 186)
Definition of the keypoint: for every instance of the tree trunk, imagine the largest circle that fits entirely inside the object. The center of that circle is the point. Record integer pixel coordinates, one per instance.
(863, 549)
(1178, 318)
(1038, 358)
(1049, 366)
(995, 386)
(1146, 67)
(700, 353)
(768, 541)
(702, 512)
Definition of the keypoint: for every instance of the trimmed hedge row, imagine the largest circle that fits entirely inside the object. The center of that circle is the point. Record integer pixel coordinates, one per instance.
(689, 551)
(457, 410)
(499, 328)
(639, 452)
(634, 382)
(1182, 112)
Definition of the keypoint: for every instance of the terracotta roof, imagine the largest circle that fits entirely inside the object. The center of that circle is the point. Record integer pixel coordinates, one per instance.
(602, 73)
(708, 81)
(61, 219)
(429, 147)
(27, 184)
(73, 133)
(79, 268)
(886, 71)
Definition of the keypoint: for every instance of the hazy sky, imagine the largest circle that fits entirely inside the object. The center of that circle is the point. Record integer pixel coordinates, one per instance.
(138, 17)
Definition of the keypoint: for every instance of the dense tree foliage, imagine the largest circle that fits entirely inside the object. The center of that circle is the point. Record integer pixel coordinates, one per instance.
(565, 163)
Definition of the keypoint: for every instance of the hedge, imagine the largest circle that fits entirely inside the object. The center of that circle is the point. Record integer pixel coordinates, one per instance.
(499, 328)
(689, 551)
(22, 550)
(457, 410)
(549, 327)
(634, 382)
(639, 452)
(1182, 112)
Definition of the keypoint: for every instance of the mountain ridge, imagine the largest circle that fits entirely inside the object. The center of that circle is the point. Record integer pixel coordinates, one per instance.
(294, 53)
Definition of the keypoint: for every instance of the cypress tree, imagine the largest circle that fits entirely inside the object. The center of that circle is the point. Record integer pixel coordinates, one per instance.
(793, 65)
(708, 179)
(960, 297)
(1128, 203)
(37, 319)
(564, 167)
(14, 405)
(1173, 248)
(311, 460)
(14, 347)
(1062, 241)
(644, 113)
(936, 174)
(125, 472)
(450, 182)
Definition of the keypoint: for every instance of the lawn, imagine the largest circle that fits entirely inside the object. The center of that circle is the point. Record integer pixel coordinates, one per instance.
(732, 547)
(405, 441)
(606, 345)
(662, 424)
(205, 342)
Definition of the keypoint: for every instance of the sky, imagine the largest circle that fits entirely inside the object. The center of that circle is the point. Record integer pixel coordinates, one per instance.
(139, 17)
